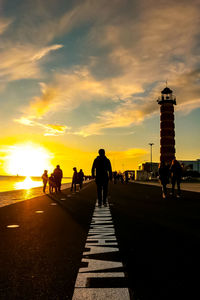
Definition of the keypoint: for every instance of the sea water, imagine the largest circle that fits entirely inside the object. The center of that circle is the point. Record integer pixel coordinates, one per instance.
(12, 183)
(14, 189)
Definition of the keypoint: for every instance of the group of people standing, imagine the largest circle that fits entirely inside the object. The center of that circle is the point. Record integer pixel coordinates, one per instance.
(102, 172)
(175, 172)
(120, 177)
(77, 178)
(56, 178)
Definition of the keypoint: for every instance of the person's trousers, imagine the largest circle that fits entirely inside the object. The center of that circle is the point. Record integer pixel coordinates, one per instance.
(58, 185)
(174, 181)
(164, 188)
(102, 188)
(44, 186)
(73, 185)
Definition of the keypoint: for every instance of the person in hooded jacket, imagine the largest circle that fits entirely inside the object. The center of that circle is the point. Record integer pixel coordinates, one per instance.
(102, 172)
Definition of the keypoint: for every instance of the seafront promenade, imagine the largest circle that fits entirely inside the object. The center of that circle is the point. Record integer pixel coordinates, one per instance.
(11, 197)
(139, 247)
(185, 186)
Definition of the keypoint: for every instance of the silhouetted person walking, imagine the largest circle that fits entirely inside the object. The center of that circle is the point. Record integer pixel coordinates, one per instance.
(74, 179)
(176, 174)
(45, 180)
(102, 172)
(164, 177)
(80, 178)
(58, 174)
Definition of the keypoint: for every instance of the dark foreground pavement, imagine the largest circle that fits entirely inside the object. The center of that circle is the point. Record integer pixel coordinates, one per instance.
(41, 258)
(159, 242)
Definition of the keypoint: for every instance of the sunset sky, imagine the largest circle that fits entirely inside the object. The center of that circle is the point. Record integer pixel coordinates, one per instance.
(76, 76)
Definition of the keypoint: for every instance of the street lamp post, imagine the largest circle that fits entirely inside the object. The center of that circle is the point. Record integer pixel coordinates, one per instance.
(151, 144)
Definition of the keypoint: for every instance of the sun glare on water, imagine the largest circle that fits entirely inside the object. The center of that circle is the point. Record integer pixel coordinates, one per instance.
(28, 160)
(28, 183)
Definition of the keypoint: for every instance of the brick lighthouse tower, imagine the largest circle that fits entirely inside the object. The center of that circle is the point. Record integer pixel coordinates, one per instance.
(167, 132)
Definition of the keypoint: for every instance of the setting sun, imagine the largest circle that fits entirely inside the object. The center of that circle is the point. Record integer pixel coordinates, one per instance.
(28, 160)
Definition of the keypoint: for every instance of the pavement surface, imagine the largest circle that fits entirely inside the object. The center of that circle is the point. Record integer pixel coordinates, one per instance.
(155, 245)
(185, 186)
(10, 197)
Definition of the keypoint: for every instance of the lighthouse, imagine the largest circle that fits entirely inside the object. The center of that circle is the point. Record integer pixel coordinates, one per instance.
(167, 128)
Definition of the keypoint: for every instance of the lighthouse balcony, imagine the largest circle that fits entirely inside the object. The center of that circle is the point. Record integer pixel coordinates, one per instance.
(163, 101)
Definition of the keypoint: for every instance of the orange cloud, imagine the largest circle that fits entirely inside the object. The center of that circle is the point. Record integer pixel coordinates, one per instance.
(54, 129)
(39, 106)
(153, 48)
(4, 24)
(125, 115)
(22, 61)
(74, 87)
(127, 154)
(49, 129)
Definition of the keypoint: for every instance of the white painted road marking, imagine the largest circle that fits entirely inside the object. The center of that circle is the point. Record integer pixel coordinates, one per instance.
(101, 274)
(13, 226)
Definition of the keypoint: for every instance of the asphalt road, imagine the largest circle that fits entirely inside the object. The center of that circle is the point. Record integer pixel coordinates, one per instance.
(159, 243)
(41, 258)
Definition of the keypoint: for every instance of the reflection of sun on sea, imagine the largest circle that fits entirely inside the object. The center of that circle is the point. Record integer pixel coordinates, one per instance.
(28, 183)
(28, 160)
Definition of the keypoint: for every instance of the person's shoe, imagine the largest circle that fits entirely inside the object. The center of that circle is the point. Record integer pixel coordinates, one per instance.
(105, 204)
(99, 205)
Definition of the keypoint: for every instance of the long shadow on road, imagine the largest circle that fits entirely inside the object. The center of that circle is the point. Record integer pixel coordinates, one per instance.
(76, 204)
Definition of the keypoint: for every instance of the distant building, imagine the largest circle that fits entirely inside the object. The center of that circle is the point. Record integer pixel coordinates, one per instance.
(131, 174)
(143, 175)
(191, 165)
(146, 166)
(144, 171)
